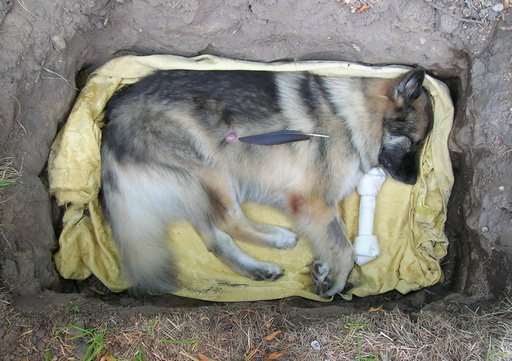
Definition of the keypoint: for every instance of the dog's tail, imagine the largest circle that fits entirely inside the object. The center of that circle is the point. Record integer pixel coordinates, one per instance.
(146, 258)
(134, 206)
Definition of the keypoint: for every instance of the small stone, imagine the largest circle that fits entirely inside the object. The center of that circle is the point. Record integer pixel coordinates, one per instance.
(315, 345)
(80, 323)
(483, 13)
(448, 24)
(75, 330)
(80, 351)
(126, 301)
(40, 333)
(498, 7)
(492, 15)
(100, 24)
(40, 346)
(59, 42)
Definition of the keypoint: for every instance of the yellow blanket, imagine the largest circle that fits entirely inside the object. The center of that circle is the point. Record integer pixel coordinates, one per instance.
(409, 219)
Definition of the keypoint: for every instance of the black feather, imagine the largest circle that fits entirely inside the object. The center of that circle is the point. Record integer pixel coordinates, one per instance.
(279, 137)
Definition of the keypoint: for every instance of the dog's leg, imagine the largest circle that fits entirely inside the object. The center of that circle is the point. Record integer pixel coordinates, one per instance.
(222, 216)
(229, 217)
(322, 225)
(223, 246)
(239, 227)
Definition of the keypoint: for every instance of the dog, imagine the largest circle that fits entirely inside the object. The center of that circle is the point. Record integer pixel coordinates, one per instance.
(173, 149)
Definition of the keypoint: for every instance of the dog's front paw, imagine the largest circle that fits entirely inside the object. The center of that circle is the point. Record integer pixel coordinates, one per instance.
(329, 280)
(322, 279)
(284, 238)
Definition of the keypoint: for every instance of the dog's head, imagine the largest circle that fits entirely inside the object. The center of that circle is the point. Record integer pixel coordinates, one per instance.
(406, 125)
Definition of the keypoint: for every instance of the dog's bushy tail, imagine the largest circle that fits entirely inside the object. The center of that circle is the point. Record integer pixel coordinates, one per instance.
(137, 215)
(147, 260)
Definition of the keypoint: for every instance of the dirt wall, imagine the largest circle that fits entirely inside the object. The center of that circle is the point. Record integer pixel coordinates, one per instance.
(45, 45)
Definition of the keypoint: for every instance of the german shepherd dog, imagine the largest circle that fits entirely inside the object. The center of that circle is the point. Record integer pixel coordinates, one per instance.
(170, 152)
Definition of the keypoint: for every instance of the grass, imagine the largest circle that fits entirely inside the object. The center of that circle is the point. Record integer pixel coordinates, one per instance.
(72, 308)
(79, 328)
(261, 332)
(93, 337)
(8, 174)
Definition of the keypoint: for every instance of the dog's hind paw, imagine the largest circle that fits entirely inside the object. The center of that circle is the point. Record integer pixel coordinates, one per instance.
(268, 272)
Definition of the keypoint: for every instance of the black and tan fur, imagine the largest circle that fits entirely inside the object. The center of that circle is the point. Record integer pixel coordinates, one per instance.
(165, 157)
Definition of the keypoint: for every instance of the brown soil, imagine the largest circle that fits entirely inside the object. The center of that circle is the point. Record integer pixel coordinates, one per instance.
(49, 47)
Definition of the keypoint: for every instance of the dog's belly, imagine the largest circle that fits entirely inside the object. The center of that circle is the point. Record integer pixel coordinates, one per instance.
(270, 177)
(272, 174)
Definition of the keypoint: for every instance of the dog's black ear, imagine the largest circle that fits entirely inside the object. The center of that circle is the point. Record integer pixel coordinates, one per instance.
(408, 87)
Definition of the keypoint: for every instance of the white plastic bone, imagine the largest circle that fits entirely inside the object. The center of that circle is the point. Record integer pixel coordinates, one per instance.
(366, 245)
